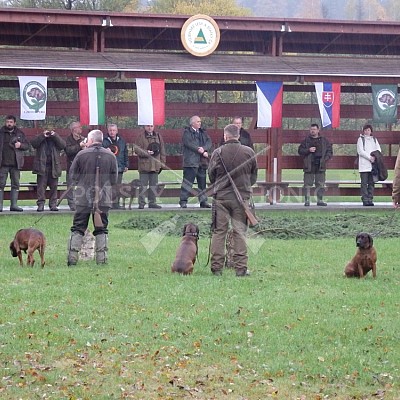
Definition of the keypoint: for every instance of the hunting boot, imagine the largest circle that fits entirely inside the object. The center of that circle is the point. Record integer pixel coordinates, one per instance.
(320, 202)
(74, 246)
(101, 248)
(14, 200)
(1, 200)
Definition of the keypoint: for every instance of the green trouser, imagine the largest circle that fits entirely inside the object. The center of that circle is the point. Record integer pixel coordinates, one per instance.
(317, 178)
(229, 211)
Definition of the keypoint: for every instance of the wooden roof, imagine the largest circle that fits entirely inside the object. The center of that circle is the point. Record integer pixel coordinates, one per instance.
(65, 43)
(219, 66)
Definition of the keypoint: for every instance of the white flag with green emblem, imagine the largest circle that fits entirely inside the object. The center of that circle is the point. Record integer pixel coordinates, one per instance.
(33, 94)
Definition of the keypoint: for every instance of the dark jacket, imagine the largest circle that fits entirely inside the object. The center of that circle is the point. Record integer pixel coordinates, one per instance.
(326, 153)
(244, 139)
(72, 148)
(379, 169)
(16, 134)
(147, 162)
(240, 162)
(83, 175)
(122, 153)
(191, 141)
(56, 144)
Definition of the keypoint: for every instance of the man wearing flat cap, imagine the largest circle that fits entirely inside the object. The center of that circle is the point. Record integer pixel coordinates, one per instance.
(150, 149)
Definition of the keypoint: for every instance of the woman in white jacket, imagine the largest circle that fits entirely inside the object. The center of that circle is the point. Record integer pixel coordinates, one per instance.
(366, 144)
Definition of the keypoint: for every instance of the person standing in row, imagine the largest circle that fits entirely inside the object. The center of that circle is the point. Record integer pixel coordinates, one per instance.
(75, 142)
(241, 163)
(94, 171)
(316, 151)
(366, 144)
(396, 182)
(12, 146)
(150, 150)
(47, 166)
(196, 145)
(245, 137)
(118, 147)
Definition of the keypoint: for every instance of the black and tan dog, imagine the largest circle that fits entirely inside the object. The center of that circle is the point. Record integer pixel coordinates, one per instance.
(364, 259)
(187, 250)
(28, 240)
(126, 191)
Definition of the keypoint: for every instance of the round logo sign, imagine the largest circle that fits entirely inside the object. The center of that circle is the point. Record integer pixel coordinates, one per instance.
(34, 95)
(386, 99)
(200, 35)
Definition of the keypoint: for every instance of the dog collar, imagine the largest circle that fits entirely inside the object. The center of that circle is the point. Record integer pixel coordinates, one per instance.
(192, 234)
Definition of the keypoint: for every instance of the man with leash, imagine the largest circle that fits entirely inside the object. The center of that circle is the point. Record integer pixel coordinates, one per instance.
(94, 171)
(232, 171)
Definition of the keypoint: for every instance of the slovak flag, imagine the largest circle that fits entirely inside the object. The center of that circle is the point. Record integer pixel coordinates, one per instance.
(328, 96)
(269, 104)
(151, 101)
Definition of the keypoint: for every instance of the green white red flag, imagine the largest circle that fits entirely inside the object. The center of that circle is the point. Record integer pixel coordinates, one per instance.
(92, 104)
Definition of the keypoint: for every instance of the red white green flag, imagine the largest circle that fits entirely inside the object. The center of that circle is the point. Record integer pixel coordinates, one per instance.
(92, 101)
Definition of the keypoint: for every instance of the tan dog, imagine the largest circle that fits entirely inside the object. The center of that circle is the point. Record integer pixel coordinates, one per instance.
(28, 239)
(364, 259)
(187, 251)
(126, 191)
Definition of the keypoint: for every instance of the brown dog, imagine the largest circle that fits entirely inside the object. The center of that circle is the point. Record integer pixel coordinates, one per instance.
(365, 258)
(126, 190)
(28, 239)
(187, 251)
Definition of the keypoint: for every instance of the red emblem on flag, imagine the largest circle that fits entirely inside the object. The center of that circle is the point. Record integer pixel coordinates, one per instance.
(328, 98)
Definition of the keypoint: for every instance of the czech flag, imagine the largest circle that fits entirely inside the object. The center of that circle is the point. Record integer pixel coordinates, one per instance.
(92, 104)
(151, 101)
(269, 104)
(328, 96)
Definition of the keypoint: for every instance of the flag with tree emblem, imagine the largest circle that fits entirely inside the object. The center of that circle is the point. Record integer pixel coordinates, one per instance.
(33, 94)
(384, 103)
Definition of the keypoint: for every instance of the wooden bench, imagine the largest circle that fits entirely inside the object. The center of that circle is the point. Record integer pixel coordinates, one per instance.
(272, 191)
(28, 190)
(275, 190)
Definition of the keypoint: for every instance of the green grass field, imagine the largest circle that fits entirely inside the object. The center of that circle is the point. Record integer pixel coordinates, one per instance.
(294, 329)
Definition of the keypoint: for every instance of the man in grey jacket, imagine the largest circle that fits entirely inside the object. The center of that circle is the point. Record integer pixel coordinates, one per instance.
(89, 164)
(196, 147)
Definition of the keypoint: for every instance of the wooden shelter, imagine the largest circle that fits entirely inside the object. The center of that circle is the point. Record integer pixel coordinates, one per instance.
(120, 47)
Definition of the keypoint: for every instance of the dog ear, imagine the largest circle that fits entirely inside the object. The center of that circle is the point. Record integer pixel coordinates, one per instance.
(184, 229)
(12, 248)
(371, 240)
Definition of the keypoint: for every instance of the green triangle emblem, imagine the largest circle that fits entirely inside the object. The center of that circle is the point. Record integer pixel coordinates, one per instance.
(200, 38)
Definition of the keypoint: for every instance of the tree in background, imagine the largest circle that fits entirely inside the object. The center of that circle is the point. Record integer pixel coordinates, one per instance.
(191, 7)
(106, 5)
(366, 10)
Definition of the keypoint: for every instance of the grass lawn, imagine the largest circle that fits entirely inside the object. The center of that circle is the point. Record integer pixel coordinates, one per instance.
(294, 329)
